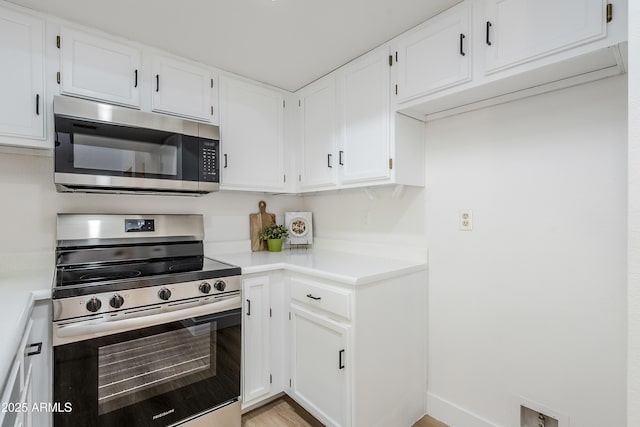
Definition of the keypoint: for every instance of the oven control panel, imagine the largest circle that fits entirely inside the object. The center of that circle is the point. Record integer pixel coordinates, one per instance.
(108, 302)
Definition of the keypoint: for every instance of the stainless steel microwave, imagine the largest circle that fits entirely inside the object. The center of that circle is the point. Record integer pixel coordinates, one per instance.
(108, 149)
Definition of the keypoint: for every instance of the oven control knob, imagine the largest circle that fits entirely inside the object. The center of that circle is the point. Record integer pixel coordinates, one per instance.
(164, 294)
(220, 285)
(205, 287)
(116, 301)
(94, 304)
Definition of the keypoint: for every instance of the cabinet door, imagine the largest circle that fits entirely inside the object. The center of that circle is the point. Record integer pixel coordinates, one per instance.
(251, 136)
(99, 68)
(364, 101)
(318, 122)
(320, 366)
(436, 56)
(181, 89)
(522, 30)
(21, 75)
(256, 329)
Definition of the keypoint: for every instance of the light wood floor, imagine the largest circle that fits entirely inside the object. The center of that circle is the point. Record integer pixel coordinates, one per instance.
(284, 412)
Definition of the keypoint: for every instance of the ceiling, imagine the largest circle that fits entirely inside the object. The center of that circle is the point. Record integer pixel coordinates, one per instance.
(285, 43)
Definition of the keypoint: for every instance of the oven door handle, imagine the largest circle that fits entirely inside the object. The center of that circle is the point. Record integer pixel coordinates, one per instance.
(104, 326)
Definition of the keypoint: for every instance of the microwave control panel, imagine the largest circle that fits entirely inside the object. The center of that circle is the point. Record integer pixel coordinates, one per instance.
(209, 160)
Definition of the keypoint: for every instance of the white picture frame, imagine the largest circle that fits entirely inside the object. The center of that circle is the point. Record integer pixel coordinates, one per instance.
(300, 226)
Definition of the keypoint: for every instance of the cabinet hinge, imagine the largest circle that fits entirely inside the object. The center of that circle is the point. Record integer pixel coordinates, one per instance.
(211, 83)
(58, 77)
(270, 379)
(390, 61)
(390, 163)
(396, 89)
(609, 12)
(212, 110)
(58, 42)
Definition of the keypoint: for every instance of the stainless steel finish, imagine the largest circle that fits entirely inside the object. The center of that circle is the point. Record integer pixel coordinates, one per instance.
(224, 416)
(65, 332)
(70, 182)
(74, 307)
(95, 111)
(111, 226)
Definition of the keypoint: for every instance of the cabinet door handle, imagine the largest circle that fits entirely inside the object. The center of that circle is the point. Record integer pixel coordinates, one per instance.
(37, 104)
(135, 82)
(340, 153)
(340, 359)
(38, 350)
(329, 160)
(225, 161)
(489, 25)
(248, 307)
(157, 82)
(462, 37)
(314, 298)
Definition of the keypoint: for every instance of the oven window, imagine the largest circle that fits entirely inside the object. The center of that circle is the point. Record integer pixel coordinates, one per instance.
(133, 371)
(129, 157)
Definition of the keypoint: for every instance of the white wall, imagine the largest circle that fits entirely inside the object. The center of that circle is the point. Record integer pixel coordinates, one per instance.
(30, 203)
(532, 302)
(633, 363)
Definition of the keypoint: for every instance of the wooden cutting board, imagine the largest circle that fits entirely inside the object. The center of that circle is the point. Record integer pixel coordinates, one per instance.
(257, 222)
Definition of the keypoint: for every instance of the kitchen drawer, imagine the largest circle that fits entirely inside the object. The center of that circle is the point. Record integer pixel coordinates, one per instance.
(325, 297)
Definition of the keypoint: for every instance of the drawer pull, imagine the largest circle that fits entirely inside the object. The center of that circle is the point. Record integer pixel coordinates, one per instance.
(38, 350)
(248, 307)
(340, 361)
(314, 298)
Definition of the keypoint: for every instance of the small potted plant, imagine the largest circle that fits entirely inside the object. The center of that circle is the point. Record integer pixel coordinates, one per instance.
(274, 234)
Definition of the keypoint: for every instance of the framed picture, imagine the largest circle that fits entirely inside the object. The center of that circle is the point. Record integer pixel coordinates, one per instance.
(300, 228)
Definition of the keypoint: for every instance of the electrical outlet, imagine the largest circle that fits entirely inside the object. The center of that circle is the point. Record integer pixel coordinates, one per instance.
(465, 220)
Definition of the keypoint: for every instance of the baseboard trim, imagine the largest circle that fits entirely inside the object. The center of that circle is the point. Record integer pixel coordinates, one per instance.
(454, 415)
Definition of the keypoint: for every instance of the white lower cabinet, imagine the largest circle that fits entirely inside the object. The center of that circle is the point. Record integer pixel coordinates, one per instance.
(320, 373)
(257, 330)
(263, 345)
(29, 379)
(358, 353)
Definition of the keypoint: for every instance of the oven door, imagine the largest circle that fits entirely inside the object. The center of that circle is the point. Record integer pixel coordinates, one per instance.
(152, 376)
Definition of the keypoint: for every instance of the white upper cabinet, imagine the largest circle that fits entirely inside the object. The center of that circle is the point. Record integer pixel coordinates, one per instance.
(182, 89)
(319, 163)
(98, 68)
(251, 136)
(22, 100)
(518, 31)
(364, 103)
(435, 56)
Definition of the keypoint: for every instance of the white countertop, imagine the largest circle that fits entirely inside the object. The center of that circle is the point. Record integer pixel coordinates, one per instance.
(19, 290)
(342, 267)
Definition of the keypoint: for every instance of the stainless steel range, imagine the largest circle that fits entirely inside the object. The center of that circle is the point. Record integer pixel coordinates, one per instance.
(146, 330)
